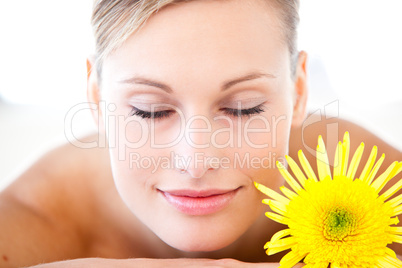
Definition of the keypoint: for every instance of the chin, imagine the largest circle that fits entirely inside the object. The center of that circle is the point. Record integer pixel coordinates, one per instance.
(192, 245)
(203, 234)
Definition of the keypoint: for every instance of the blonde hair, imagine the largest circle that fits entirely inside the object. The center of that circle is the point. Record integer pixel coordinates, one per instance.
(113, 21)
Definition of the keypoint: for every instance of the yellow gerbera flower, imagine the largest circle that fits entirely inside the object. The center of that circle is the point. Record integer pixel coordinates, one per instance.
(339, 219)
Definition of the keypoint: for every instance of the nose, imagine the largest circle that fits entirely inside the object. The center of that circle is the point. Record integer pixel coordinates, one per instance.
(196, 167)
(195, 153)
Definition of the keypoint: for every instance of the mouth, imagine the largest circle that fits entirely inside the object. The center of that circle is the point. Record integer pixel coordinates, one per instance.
(199, 202)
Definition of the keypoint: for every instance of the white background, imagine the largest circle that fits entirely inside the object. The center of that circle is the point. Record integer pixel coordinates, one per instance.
(355, 49)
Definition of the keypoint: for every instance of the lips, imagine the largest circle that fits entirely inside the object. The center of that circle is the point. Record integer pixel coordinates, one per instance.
(199, 202)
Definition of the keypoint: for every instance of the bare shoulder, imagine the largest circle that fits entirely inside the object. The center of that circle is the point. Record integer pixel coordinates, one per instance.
(332, 130)
(46, 211)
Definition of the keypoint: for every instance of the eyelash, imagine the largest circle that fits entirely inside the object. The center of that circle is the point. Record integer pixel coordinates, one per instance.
(245, 112)
(151, 115)
(162, 114)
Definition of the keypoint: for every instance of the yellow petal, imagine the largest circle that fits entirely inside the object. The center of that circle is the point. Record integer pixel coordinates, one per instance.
(277, 207)
(397, 239)
(289, 193)
(276, 217)
(369, 165)
(390, 252)
(392, 190)
(271, 193)
(266, 201)
(280, 234)
(395, 230)
(322, 160)
(271, 251)
(306, 166)
(289, 179)
(338, 160)
(345, 153)
(296, 170)
(267, 245)
(382, 180)
(397, 211)
(287, 241)
(375, 170)
(354, 164)
(396, 201)
(393, 221)
(389, 262)
(291, 259)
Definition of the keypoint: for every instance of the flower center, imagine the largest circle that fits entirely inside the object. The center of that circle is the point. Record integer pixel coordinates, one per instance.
(338, 224)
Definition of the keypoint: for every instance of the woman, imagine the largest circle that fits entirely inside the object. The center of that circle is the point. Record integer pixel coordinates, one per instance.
(196, 100)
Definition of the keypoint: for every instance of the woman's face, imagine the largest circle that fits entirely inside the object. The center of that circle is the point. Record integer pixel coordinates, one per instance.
(188, 173)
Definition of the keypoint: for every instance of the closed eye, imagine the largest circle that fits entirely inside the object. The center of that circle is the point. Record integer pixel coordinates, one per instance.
(244, 112)
(166, 113)
(152, 114)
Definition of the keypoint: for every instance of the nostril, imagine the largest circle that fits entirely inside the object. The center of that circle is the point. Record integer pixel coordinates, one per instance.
(195, 166)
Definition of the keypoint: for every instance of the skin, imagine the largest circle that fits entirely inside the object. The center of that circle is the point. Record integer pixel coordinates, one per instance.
(89, 205)
(217, 48)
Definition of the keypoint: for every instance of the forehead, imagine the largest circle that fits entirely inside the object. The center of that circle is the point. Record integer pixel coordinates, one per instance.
(205, 34)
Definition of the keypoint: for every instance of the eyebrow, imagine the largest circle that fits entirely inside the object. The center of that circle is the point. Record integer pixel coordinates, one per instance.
(226, 85)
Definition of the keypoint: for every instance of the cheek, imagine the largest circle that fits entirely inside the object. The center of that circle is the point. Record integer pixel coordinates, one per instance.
(132, 165)
(266, 141)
